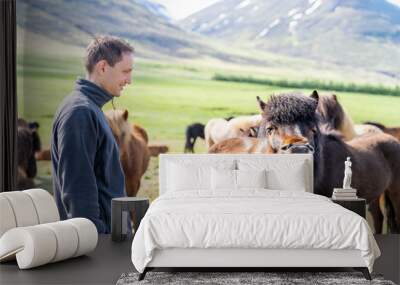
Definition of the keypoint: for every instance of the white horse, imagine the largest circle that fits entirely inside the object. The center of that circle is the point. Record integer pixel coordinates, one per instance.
(219, 129)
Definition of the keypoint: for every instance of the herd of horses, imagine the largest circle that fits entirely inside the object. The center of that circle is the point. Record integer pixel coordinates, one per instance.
(318, 124)
(287, 123)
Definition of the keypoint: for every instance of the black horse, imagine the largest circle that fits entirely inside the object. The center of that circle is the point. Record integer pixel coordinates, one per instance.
(193, 131)
(292, 124)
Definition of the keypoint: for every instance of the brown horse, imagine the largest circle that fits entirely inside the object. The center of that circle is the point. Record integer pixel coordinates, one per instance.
(26, 163)
(333, 115)
(246, 143)
(157, 149)
(242, 145)
(44, 155)
(154, 149)
(291, 125)
(394, 131)
(134, 153)
(28, 143)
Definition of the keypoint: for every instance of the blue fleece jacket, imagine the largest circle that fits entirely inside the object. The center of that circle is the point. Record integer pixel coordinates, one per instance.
(87, 172)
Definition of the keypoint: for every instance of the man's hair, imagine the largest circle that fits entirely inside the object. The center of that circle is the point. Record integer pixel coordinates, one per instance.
(106, 48)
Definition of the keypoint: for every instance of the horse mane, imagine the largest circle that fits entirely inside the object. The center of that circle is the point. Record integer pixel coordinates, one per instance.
(333, 114)
(140, 132)
(347, 128)
(331, 133)
(330, 110)
(290, 108)
(378, 125)
(120, 127)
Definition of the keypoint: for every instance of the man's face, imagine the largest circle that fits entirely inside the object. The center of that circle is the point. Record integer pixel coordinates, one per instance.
(115, 78)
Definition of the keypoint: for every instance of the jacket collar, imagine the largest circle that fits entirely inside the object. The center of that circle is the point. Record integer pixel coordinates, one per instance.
(95, 93)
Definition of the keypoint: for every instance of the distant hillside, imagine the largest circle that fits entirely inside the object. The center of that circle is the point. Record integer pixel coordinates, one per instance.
(360, 33)
(64, 27)
(75, 22)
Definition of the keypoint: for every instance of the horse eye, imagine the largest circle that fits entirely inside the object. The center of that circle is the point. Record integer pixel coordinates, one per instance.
(269, 130)
(286, 147)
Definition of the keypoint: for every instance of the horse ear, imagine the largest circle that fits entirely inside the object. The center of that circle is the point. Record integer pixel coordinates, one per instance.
(335, 97)
(315, 95)
(261, 103)
(33, 125)
(125, 115)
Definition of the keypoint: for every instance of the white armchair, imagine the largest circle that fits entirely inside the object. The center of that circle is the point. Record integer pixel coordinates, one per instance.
(31, 230)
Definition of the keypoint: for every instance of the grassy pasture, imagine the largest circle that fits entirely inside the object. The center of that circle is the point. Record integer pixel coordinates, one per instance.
(165, 97)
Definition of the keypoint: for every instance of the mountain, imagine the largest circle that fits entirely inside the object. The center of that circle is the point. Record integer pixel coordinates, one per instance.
(156, 8)
(314, 50)
(74, 22)
(143, 22)
(68, 24)
(360, 33)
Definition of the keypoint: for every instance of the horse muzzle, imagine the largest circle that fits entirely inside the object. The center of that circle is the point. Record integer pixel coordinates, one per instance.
(297, 148)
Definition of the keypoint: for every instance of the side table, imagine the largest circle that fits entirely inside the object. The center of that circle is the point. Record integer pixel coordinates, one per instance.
(121, 209)
(357, 205)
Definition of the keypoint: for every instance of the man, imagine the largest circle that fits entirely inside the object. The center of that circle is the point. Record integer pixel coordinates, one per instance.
(87, 172)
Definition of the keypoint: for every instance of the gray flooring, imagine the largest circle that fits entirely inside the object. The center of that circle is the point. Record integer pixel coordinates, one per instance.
(110, 260)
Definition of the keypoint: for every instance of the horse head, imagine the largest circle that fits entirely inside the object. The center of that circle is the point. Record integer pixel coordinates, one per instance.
(290, 123)
(331, 113)
(334, 119)
(119, 125)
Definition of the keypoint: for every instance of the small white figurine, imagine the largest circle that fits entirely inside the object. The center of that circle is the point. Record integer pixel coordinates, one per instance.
(347, 174)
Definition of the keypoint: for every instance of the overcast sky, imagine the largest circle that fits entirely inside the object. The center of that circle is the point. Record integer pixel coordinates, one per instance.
(179, 9)
(396, 2)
